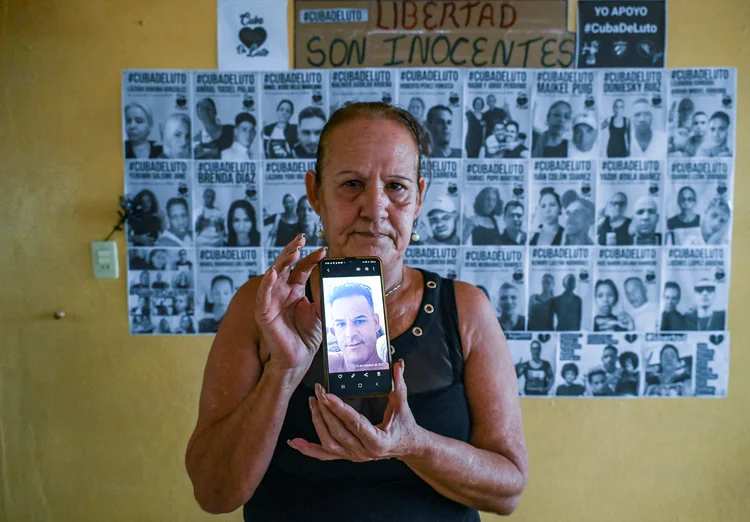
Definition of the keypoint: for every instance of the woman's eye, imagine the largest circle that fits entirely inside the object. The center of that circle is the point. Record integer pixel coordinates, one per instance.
(395, 186)
(352, 183)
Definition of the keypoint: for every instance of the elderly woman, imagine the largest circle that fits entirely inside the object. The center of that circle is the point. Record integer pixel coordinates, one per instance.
(446, 442)
(138, 124)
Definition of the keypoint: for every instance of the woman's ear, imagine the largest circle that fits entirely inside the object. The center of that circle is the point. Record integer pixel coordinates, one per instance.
(311, 188)
(421, 188)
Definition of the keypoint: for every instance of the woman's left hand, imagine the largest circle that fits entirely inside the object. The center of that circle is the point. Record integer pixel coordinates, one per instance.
(348, 435)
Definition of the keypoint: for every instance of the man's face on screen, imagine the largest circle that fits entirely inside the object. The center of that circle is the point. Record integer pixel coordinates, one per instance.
(355, 325)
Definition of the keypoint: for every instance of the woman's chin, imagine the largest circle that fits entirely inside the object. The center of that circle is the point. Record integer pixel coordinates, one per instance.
(361, 246)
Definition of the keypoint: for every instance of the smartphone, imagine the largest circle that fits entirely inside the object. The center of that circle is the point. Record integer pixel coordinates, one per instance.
(355, 328)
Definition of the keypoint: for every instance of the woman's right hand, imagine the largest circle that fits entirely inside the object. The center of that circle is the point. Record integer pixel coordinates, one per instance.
(290, 326)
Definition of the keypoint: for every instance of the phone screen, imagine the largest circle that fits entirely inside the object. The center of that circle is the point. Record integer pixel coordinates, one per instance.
(358, 358)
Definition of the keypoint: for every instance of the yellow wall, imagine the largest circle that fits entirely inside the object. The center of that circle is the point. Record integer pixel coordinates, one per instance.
(93, 422)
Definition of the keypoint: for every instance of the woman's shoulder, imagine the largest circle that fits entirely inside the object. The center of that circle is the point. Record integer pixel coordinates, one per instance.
(471, 301)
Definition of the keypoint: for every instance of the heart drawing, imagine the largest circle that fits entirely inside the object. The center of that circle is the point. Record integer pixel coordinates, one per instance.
(253, 38)
(544, 337)
(631, 338)
(716, 339)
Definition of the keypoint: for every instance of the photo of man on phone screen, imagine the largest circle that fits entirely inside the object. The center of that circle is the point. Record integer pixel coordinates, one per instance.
(355, 326)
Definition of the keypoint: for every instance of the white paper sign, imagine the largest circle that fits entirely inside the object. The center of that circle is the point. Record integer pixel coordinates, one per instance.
(253, 35)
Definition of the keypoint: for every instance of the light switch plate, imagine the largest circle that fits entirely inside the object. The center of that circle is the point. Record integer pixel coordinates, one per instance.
(104, 257)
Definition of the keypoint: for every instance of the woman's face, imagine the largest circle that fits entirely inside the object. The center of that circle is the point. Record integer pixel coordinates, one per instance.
(241, 223)
(416, 109)
(719, 132)
(289, 203)
(284, 112)
(548, 284)
(478, 104)
(146, 203)
(136, 124)
(558, 119)
(618, 107)
(176, 139)
(180, 303)
(160, 259)
(550, 209)
(185, 322)
(629, 367)
(305, 212)
(369, 196)
(669, 359)
(221, 294)
(605, 299)
(488, 202)
(714, 221)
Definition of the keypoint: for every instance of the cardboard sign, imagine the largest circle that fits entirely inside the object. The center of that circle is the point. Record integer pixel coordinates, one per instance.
(395, 33)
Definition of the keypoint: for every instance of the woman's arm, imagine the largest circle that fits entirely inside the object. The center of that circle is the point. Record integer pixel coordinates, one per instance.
(490, 472)
(247, 384)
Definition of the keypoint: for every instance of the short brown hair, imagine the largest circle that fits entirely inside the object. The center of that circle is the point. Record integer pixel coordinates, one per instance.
(372, 111)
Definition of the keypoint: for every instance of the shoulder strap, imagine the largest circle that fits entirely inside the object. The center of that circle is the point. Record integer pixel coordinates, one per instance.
(449, 317)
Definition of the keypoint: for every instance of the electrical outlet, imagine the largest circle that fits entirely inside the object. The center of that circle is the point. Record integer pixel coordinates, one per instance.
(104, 256)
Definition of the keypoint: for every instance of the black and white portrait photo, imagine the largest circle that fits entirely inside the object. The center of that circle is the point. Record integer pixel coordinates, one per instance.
(668, 367)
(702, 113)
(565, 126)
(156, 115)
(495, 213)
(434, 98)
(294, 113)
(534, 359)
(699, 214)
(695, 289)
(497, 114)
(611, 366)
(630, 205)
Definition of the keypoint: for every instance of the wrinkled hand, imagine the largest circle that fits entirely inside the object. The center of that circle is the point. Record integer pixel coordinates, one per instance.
(289, 324)
(347, 435)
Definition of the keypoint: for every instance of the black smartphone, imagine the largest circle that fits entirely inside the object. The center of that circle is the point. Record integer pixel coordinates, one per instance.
(355, 328)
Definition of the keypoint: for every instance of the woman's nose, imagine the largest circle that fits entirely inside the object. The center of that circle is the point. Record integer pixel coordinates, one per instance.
(375, 202)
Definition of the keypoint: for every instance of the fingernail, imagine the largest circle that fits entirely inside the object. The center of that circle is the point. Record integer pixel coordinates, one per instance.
(291, 444)
(311, 403)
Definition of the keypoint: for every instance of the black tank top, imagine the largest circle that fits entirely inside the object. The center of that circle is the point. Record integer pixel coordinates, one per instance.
(296, 487)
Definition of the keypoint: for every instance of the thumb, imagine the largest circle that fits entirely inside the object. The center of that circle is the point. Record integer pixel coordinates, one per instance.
(399, 384)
